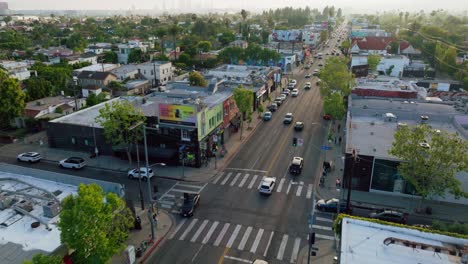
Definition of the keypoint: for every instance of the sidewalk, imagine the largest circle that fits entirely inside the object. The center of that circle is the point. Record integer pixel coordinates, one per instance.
(325, 254)
(165, 223)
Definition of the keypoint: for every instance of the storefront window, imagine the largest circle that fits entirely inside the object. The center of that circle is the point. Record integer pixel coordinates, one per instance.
(384, 176)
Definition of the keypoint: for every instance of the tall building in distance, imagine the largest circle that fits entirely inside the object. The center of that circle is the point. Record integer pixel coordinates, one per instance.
(4, 8)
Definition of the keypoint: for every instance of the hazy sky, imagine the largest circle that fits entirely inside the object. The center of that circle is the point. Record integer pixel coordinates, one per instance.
(356, 5)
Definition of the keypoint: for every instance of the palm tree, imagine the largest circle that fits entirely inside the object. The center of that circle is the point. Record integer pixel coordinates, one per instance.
(174, 30)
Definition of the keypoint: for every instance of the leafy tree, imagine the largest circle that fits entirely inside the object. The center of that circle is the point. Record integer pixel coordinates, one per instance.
(231, 55)
(135, 56)
(185, 59)
(226, 38)
(373, 61)
(161, 32)
(336, 77)
(94, 224)
(430, 168)
(323, 36)
(204, 46)
(37, 88)
(110, 57)
(196, 79)
(11, 99)
(162, 57)
(244, 101)
(389, 70)
(394, 46)
(333, 104)
(44, 259)
(174, 30)
(339, 13)
(58, 75)
(117, 120)
(345, 46)
(76, 42)
(459, 228)
(94, 99)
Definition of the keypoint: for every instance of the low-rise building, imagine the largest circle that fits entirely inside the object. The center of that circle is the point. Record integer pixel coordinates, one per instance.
(89, 57)
(388, 87)
(371, 45)
(95, 79)
(239, 43)
(126, 49)
(101, 67)
(128, 71)
(16, 69)
(157, 72)
(47, 106)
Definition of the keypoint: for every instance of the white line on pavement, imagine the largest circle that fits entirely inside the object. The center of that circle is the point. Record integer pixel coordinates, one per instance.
(284, 241)
(182, 237)
(245, 169)
(257, 241)
(309, 191)
(245, 238)
(297, 243)
(322, 227)
(235, 179)
(184, 191)
(199, 230)
(178, 227)
(299, 189)
(226, 178)
(243, 180)
(324, 236)
(323, 219)
(268, 244)
(218, 178)
(221, 234)
(233, 236)
(280, 186)
(238, 259)
(210, 232)
(252, 181)
(289, 188)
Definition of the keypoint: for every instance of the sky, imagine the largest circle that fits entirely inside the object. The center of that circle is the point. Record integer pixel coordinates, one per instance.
(354, 5)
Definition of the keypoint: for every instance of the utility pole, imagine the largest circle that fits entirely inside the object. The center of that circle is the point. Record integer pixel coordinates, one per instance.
(348, 201)
(150, 197)
(139, 176)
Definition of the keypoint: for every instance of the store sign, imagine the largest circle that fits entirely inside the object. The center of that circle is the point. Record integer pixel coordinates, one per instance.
(177, 114)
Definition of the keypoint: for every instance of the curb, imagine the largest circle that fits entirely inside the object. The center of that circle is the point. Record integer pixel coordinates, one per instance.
(150, 250)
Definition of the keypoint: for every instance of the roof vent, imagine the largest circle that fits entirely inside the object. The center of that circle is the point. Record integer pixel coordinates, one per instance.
(424, 145)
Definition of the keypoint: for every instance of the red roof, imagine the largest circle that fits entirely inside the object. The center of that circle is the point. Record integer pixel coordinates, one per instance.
(404, 45)
(373, 43)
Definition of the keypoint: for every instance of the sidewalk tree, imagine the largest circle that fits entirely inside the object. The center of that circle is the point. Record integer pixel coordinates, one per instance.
(430, 159)
(373, 61)
(244, 101)
(118, 119)
(94, 224)
(196, 79)
(335, 77)
(11, 99)
(333, 105)
(44, 259)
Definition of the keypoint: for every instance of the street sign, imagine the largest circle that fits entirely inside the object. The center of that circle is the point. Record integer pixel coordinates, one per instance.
(300, 142)
(325, 147)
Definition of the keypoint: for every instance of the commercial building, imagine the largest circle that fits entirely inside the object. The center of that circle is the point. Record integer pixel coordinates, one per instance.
(16, 69)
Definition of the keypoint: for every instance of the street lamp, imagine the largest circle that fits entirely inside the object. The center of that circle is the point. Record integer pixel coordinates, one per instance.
(138, 166)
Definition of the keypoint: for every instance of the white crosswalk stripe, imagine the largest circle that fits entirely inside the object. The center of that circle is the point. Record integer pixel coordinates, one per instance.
(309, 191)
(221, 235)
(289, 188)
(299, 188)
(210, 232)
(170, 197)
(233, 236)
(191, 225)
(226, 178)
(244, 238)
(318, 218)
(235, 179)
(295, 251)
(256, 241)
(282, 247)
(252, 182)
(280, 186)
(199, 230)
(244, 180)
(322, 227)
(324, 237)
(178, 228)
(269, 242)
(215, 181)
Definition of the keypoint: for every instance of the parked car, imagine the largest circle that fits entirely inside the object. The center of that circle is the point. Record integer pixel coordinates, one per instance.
(320, 64)
(278, 102)
(288, 118)
(144, 172)
(316, 72)
(330, 205)
(286, 92)
(273, 107)
(267, 116)
(307, 66)
(282, 97)
(390, 216)
(307, 86)
(296, 165)
(267, 185)
(295, 93)
(191, 202)
(299, 126)
(72, 163)
(29, 157)
(307, 76)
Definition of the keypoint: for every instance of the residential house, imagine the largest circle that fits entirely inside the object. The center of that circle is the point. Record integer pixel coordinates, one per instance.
(393, 65)
(371, 45)
(157, 72)
(17, 69)
(86, 57)
(47, 106)
(126, 49)
(94, 49)
(133, 87)
(407, 49)
(94, 81)
(239, 43)
(101, 67)
(128, 71)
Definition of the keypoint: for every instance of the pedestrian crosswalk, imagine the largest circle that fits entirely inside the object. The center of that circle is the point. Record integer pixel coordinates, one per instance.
(174, 195)
(256, 240)
(253, 181)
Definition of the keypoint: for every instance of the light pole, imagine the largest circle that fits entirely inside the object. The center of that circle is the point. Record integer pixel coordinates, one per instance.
(138, 165)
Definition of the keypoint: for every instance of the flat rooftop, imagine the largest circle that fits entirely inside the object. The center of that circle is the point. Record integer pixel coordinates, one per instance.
(387, 84)
(368, 243)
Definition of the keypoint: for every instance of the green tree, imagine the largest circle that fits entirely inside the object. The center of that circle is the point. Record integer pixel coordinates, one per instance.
(161, 32)
(135, 56)
(44, 259)
(204, 46)
(110, 57)
(244, 101)
(94, 99)
(185, 59)
(76, 42)
(323, 36)
(339, 12)
(94, 224)
(336, 77)
(37, 88)
(394, 46)
(373, 61)
(226, 38)
(345, 46)
(11, 99)
(430, 159)
(174, 30)
(333, 105)
(117, 120)
(196, 79)
(231, 55)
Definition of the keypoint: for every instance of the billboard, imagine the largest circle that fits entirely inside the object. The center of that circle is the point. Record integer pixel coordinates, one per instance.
(178, 114)
(287, 35)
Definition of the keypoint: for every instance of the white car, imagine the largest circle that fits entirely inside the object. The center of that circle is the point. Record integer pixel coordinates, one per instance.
(144, 172)
(72, 163)
(267, 185)
(293, 82)
(295, 93)
(29, 157)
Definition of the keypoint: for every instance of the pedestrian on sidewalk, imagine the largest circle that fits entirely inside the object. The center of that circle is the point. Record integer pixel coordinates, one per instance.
(339, 126)
(339, 140)
(335, 140)
(338, 183)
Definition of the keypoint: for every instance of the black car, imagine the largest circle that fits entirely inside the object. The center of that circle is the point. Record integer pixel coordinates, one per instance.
(330, 205)
(390, 216)
(191, 201)
(299, 126)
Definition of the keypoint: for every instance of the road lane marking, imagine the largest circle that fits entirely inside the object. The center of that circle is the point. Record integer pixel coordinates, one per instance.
(178, 227)
(235, 179)
(246, 170)
(297, 243)
(199, 230)
(289, 187)
(196, 253)
(210, 232)
(184, 191)
(238, 259)
(257, 241)
(323, 219)
(218, 178)
(252, 181)
(190, 186)
(280, 186)
(221, 258)
(189, 228)
(260, 184)
(299, 189)
(322, 227)
(245, 238)
(268, 244)
(309, 191)
(243, 180)
(284, 241)
(233, 236)
(324, 237)
(221, 234)
(226, 178)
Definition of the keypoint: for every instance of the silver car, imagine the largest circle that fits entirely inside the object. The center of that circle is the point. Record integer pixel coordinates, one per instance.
(72, 163)
(29, 157)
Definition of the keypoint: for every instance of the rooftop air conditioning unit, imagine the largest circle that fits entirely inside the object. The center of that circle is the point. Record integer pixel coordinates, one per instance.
(6, 202)
(25, 205)
(51, 209)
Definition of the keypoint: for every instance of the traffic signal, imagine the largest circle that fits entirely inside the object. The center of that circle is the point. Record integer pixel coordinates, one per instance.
(312, 238)
(294, 141)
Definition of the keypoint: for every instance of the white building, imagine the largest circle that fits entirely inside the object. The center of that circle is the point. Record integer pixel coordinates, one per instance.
(393, 64)
(125, 49)
(156, 71)
(16, 69)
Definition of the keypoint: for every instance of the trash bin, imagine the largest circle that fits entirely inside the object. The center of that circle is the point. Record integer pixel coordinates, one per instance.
(138, 223)
(138, 252)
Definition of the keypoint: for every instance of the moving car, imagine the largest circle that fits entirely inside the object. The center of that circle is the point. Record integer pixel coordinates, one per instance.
(295, 93)
(267, 185)
(267, 116)
(288, 118)
(29, 157)
(72, 163)
(308, 75)
(296, 165)
(273, 107)
(307, 66)
(390, 216)
(316, 72)
(308, 85)
(330, 205)
(144, 172)
(191, 202)
(299, 126)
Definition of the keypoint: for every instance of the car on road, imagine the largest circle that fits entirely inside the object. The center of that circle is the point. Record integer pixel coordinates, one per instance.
(278, 101)
(72, 163)
(144, 172)
(307, 66)
(267, 116)
(308, 85)
(288, 118)
(267, 185)
(29, 157)
(295, 93)
(320, 65)
(390, 216)
(286, 92)
(299, 126)
(330, 205)
(296, 165)
(191, 202)
(316, 72)
(282, 97)
(308, 75)
(273, 107)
